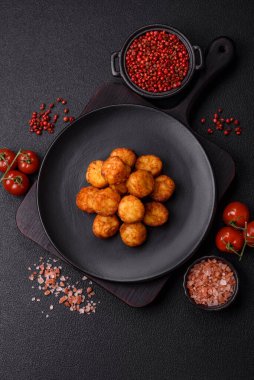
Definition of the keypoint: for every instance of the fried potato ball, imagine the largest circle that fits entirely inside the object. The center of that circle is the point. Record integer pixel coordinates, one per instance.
(140, 183)
(115, 171)
(133, 234)
(127, 155)
(151, 163)
(106, 202)
(94, 176)
(121, 188)
(164, 188)
(156, 214)
(131, 209)
(85, 199)
(105, 227)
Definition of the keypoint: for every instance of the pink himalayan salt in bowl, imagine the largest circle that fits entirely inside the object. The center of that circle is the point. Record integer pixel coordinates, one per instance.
(211, 283)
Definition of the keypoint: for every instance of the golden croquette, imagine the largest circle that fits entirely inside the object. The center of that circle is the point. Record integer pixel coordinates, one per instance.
(133, 234)
(156, 214)
(85, 199)
(149, 162)
(115, 171)
(127, 155)
(106, 202)
(105, 227)
(94, 176)
(131, 209)
(140, 183)
(164, 188)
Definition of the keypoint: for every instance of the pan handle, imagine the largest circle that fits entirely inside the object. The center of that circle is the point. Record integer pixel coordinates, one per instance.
(219, 55)
(114, 56)
(201, 61)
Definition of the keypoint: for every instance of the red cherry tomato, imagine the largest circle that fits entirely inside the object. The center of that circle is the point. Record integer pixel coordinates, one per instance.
(6, 158)
(16, 183)
(250, 234)
(28, 162)
(228, 237)
(237, 213)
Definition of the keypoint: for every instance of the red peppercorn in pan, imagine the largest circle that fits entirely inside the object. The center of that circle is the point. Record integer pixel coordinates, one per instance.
(157, 61)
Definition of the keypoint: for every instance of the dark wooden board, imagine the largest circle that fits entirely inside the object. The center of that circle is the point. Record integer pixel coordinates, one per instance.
(28, 221)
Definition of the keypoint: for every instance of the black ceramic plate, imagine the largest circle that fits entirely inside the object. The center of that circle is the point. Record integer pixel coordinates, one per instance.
(92, 137)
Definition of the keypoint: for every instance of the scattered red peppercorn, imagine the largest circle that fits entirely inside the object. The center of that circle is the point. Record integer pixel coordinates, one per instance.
(44, 121)
(157, 61)
(223, 124)
(238, 130)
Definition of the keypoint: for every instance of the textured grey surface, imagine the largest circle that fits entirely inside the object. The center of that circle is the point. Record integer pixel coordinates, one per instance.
(62, 48)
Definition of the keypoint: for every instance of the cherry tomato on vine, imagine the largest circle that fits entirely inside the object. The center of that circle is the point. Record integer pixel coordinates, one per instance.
(16, 183)
(228, 238)
(250, 234)
(6, 158)
(28, 162)
(236, 213)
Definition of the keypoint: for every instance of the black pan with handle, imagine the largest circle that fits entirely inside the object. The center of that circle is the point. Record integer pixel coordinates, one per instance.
(146, 130)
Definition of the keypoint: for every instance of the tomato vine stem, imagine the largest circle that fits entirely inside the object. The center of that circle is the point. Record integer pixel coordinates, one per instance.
(9, 166)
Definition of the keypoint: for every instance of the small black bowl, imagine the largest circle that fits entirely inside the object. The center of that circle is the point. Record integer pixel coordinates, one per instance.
(121, 55)
(211, 308)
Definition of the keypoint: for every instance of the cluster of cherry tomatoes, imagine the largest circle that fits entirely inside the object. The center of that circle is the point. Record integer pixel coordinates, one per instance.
(239, 231)
(16, 168)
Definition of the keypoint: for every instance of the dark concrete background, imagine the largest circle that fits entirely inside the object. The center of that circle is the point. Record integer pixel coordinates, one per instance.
(62, 48)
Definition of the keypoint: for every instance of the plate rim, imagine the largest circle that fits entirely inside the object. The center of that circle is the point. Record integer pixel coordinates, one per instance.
(199, 241)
